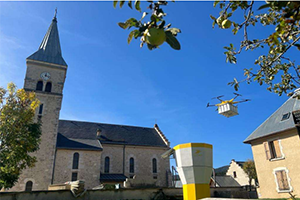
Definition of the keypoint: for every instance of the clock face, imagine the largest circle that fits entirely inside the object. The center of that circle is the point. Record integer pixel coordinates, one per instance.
(45, 76)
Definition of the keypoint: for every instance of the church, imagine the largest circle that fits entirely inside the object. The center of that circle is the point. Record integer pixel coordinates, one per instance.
(96, 153)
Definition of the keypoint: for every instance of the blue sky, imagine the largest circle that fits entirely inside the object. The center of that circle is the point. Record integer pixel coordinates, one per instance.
(110, 81)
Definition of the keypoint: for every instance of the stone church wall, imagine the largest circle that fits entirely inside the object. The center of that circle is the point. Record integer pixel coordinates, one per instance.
(143, 174)
(88, 169)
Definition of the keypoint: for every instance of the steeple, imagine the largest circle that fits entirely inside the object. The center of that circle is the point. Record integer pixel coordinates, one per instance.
(49, 50)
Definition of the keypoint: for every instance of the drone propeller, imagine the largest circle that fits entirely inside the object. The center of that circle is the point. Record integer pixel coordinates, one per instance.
(237, 94)
(209, 105)
(218, 97)
(243, 100)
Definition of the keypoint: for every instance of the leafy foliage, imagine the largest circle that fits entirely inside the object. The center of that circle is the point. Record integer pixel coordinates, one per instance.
(150, 32)
(19, 135)
(277, 71)
(249, 168)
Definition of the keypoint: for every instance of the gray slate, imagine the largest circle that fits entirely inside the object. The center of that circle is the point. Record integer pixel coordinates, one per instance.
(49, 50)
(221, 171)
(274, 124)
(85, 132)
(226, 181)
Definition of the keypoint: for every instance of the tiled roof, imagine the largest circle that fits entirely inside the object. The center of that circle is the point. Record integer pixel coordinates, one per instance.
(75, 143)
(112, 177)
(275, 122)
(226, 181)
(49, 50)
(110, 134)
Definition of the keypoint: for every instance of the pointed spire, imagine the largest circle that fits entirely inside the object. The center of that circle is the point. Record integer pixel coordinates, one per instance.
(49, 50)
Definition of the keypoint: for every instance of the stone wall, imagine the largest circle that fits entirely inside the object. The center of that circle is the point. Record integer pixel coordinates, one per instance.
(143, 156)
(290, 146)
(41, 174)
(88, 169)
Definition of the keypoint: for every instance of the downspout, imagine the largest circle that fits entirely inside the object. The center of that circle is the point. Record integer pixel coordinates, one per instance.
(124, 159)
(53, 169)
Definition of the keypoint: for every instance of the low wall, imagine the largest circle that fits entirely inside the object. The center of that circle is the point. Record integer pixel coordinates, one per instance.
(93, 194)
(232, 192)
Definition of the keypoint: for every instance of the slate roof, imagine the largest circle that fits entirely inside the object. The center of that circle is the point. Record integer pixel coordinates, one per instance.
(75, 143)
(226, 181)
(70, 133)
(274, 123)
(221, 171)
(49, 50)
(112, 177)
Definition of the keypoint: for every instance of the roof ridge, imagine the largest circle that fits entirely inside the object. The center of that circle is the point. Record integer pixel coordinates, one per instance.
(268, 118)
(105, 123)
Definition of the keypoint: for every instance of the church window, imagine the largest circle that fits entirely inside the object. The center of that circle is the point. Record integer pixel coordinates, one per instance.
(41, 109)
(106, 165)
(28, 186)
(154, 165)
(48, 87)
(74, 176)
(75, 161)
(131, 165)
(39, 86)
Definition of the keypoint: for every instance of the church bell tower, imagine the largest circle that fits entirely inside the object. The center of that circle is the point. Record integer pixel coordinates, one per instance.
(45, 75)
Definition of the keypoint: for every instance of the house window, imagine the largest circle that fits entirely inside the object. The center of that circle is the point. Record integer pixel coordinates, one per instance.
(154, 165)
(106, 165)
(131, 165)
(74, 176)
(48, 87)
(282, 180)
(273, 150)
(41, 109)
(28, 186)
(234, 174)
(39, 86)
(75, 161)
(285, 116)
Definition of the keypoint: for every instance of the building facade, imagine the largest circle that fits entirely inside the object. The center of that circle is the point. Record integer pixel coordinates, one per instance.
(94, 152)
(276, 149)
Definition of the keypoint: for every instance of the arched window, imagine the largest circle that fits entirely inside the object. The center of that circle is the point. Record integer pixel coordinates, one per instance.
(41, 109)
(131, 165)
(154, 165)
(106, 165)
(48, 87)
(28, 187)
(75, 160)
(39, 86)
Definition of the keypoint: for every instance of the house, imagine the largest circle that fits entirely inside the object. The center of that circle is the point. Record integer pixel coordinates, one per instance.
(276, 151)
(235, 170)
(93, 152)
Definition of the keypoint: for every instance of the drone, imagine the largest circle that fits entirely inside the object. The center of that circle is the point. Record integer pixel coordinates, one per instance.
(227, 107)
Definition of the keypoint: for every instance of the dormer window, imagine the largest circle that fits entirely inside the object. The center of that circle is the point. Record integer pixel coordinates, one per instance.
(39, 86)
(285, 116)
(48, 87)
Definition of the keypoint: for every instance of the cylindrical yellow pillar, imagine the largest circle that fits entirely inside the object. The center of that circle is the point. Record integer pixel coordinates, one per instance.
(194, 166)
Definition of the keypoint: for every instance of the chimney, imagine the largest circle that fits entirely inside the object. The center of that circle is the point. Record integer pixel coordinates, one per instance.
(98, 132)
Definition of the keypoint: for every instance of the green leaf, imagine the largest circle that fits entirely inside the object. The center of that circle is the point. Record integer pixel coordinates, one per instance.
(123, 25)
(131, 34)
(137, 5)
(172, 41)
(144, 15)
(174, 31)
(121, 3)
(264, 6)
(115, 4)
(130, 4)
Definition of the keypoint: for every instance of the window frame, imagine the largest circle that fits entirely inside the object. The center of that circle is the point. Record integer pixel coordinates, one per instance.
(106, 164)
(154, 166)
(72, 175)
(271, 153)
(287, 177)
(48, 83)
(26, 186)
(36, 87)
(75, 165)
(131, 165)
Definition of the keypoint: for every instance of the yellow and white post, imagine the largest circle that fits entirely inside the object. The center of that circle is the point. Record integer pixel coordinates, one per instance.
(194, 166)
